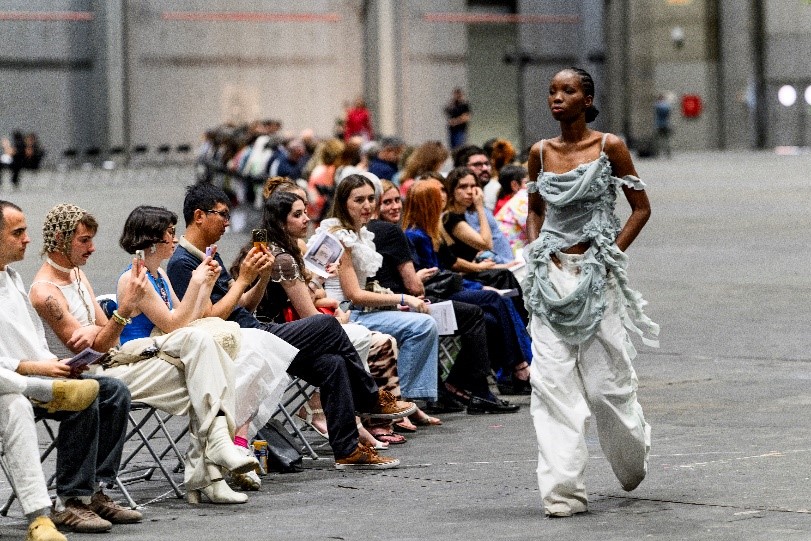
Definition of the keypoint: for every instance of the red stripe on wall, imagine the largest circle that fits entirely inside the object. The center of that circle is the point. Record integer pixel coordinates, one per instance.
(249, 17)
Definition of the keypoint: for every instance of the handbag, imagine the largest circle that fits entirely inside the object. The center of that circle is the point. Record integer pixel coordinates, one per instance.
(443, 284)
(284, 456)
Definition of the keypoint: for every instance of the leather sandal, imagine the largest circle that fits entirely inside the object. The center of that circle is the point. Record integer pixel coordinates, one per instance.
(390, 437)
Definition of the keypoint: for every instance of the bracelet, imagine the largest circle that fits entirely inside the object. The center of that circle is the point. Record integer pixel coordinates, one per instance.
(121, 320)
(402, 299)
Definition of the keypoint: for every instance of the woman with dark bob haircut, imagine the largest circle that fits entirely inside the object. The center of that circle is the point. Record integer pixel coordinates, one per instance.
(246, 389)
(146, 227)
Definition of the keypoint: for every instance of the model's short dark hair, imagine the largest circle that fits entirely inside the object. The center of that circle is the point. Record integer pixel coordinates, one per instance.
(463, 154)
(3, 206)
(145, 227)
(203, 196)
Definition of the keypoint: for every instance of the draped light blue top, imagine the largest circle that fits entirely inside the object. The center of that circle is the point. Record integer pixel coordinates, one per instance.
(580, 208)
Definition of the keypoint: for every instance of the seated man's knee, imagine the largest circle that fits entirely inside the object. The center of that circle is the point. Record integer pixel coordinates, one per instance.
(114, 392)
(17, 408)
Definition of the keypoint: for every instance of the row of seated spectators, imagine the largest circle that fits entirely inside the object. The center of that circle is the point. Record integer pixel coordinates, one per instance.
(178, 352)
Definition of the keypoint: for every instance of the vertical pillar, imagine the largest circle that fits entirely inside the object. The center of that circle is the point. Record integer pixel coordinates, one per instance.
(758, 26)
(116, 73)
(387, 68)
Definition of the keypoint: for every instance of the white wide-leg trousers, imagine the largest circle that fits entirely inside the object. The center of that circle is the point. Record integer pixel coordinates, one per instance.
(569, 383)
(19, 440)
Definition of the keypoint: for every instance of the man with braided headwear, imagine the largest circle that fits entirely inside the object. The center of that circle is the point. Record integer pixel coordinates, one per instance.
(90, 441)
(200, 384)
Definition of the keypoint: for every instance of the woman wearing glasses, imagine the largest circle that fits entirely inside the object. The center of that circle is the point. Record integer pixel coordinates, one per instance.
(249, 387)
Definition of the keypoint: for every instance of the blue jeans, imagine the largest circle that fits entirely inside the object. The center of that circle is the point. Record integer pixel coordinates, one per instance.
(418, 341)
(90, 442)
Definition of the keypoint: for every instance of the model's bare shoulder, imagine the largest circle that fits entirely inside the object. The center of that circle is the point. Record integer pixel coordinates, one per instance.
(619, 156)
(615, 145)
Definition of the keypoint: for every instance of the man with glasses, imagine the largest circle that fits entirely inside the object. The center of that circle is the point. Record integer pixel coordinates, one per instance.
(475, 159)
(326, 357)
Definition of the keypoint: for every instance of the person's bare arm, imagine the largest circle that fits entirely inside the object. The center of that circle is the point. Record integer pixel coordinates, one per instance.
(52, 368)
(482, 239)
(52, 307)
(248, 272)
(536, 207)
(622, 165)
(361, 297)
(411, 278)
(465, 266)
(299, 295)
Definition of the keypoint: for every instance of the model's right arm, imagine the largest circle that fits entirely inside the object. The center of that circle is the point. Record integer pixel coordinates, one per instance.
(536, 211)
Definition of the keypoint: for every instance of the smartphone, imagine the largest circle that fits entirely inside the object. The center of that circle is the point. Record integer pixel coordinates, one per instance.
(138, 260)
(211, 250)
(259, 237)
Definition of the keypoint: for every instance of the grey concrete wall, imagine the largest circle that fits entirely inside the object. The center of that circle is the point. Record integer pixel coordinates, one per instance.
(787, 52)
(49, 76)
(85, 84)
(185, 76)
(737, 74)
(555, 46)
(434, 60)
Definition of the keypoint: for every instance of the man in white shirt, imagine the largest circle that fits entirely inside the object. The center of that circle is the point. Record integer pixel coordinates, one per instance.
(90, 441)
(19, 438)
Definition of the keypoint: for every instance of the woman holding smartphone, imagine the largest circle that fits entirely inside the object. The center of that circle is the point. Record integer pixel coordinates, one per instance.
(259, 367)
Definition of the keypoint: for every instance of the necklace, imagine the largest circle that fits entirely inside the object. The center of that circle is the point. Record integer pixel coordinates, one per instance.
(79, 289)
(58, 267)
(158, 281)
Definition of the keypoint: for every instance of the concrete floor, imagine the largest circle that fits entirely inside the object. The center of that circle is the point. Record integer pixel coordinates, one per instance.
(724, 264)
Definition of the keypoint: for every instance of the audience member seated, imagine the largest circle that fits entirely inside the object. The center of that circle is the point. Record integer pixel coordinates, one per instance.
(204, 386)
(385, 164)
(467, 379)
(90, 441)
(502, 154)
(511, 209)
(260, 375)
(293, 292)
(19, 437)
(326, 357)
(429, 157)
(508, 340)
(415, 330)
(478, 162)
